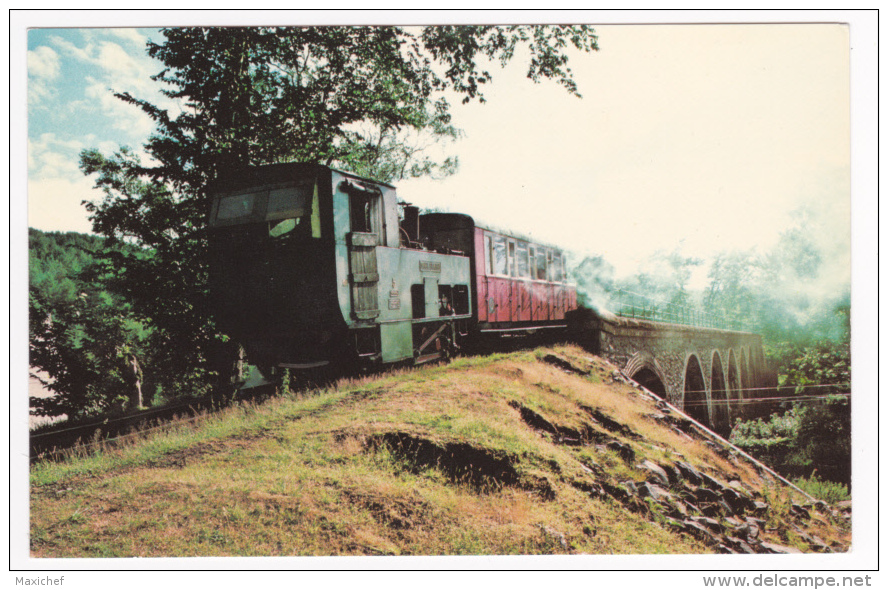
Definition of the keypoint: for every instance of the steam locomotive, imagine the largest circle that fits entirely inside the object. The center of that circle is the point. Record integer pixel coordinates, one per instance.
(311, 266)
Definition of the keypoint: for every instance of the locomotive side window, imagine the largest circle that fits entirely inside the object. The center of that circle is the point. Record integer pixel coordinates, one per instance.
(445, 300)
(236, 206)
(523, 264)
(366, 213)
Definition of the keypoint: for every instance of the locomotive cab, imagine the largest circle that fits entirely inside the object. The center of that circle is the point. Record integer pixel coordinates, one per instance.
(309, 265)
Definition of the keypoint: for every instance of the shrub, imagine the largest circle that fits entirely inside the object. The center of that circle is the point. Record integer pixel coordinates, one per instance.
(828, 491)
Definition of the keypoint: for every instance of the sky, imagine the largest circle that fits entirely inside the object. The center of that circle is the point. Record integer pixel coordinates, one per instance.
(702, 138)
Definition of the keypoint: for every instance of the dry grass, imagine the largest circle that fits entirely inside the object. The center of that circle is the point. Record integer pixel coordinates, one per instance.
(433, 461)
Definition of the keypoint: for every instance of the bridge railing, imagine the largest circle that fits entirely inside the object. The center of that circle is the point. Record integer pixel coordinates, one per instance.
(634, 305)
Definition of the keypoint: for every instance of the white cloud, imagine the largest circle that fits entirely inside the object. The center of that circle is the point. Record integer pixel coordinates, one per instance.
(123, 69)
(131, 35)
(43, 62)
(52, 158)
(119, 68)
(43, 67)
(114, 69)
(82, 54)
(122, 116)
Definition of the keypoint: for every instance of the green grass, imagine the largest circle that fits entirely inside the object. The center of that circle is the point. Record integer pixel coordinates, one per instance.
(304, 474)
(828, 491)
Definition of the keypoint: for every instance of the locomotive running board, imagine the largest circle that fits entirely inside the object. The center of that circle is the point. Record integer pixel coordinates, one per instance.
(314, 365)
(527, 329)
(428, 357)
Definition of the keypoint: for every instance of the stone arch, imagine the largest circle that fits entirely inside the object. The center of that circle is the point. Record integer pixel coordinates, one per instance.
(721, 416)
(645, 370)
(744, 373)
(695, 403)
(735, 394)
(757, 366)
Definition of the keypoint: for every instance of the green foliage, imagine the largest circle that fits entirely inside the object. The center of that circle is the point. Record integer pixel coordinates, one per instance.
(828, 491)
(778, 428)
(822, 363)
(772, 441)
(369, 99)
(807, 438)
(824, 439)
(814, 434)
(82, 336)
(285, 382)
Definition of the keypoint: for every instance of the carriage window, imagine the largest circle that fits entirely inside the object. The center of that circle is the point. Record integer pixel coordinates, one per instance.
(557, 267)
(532, 256)
(500, 263)
(523, 263)
(236, 206)
(511, 262)
(541, 264)
(550, 266)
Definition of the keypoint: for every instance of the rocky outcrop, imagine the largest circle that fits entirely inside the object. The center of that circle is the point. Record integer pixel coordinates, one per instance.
(713, 507)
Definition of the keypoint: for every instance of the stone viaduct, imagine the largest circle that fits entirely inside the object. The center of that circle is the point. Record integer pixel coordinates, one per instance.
(709, 373)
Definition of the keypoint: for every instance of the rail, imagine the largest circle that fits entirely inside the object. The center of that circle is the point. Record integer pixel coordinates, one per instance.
(628, 304)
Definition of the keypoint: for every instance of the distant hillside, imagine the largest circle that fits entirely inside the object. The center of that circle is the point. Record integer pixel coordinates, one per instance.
(533, 452)
(55, 261)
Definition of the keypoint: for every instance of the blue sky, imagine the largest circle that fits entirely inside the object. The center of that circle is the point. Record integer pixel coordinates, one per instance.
(71, 75)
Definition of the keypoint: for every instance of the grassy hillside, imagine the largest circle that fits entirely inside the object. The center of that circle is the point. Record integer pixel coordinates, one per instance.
(532, 452)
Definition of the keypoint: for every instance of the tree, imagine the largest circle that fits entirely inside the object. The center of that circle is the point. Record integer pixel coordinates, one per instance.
(345, 96)
(83, 337)
(824, 439)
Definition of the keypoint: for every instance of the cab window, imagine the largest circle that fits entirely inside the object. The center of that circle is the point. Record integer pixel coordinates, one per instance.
(237, 206)
(290, 202)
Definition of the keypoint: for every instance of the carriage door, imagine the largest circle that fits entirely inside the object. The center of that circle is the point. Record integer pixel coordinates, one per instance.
(365, 208)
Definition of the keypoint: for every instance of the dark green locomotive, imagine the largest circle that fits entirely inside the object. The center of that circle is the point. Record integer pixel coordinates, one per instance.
(310, 265)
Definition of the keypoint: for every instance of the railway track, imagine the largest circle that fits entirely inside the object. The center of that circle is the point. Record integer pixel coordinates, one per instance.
(54, 442)
(58, 440)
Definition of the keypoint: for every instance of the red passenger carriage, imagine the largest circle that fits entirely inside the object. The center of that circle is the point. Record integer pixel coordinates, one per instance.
(518, 286)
